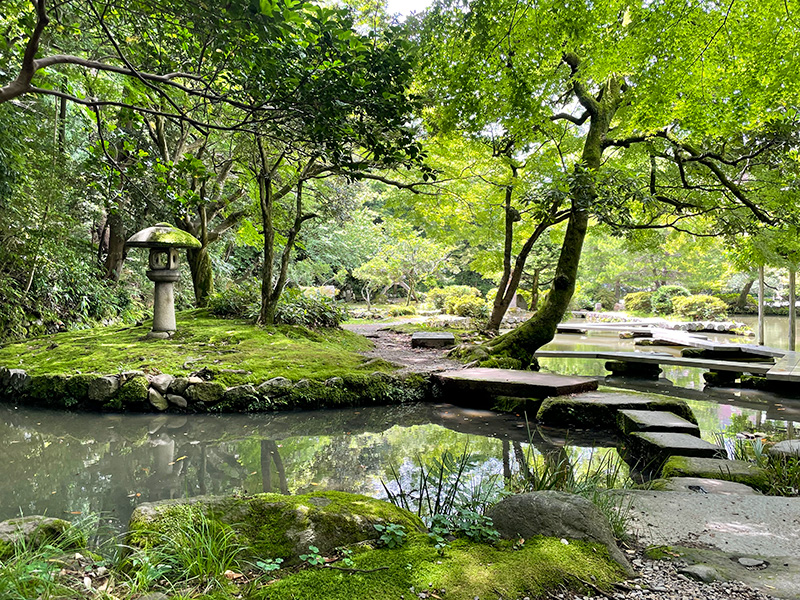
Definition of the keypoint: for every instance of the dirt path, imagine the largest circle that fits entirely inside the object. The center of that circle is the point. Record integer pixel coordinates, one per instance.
(396, 348)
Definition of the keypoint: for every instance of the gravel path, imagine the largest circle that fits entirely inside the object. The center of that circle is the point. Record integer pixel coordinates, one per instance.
(396, 348)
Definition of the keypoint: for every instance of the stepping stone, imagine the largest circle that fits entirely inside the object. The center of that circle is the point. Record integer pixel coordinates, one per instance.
(654, 420)
(703, 485)
(714, 468)
(477, 386)
(599, 410)
(432, 339)
(649, 450)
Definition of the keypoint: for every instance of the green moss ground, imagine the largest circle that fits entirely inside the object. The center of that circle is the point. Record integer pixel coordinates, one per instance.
(467, 570)
(201, 341)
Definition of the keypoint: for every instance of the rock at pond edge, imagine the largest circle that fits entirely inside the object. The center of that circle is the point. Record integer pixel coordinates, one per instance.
(273, 525)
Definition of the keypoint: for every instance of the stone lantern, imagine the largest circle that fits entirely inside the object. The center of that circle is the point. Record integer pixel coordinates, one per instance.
(164, 242)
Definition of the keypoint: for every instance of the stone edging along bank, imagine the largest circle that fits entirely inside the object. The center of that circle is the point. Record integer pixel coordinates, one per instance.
(135, 391)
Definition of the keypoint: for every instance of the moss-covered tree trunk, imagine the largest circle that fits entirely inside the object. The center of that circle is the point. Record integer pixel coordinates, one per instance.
(522, 343)
(202, 275)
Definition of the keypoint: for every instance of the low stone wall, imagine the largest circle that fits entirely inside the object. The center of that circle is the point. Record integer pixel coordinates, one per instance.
(135, 391)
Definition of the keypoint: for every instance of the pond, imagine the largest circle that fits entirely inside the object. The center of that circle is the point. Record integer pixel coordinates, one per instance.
(64, 464)
(68, 464)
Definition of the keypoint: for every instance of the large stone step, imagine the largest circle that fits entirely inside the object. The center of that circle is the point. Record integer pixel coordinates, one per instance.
(599, 410)
(715, 468)
(477, 386)
(649, 450)
(630, 420)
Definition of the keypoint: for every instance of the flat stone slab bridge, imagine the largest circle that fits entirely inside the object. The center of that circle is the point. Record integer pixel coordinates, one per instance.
(773, 363)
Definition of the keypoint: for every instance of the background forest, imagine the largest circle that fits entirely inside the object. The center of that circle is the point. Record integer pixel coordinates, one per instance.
(588, 150)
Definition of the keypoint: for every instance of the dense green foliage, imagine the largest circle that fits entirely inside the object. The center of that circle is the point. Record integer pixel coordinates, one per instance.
(699, 307)
(661, 300)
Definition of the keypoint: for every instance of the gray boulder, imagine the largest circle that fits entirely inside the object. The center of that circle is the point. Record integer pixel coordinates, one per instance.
(103, 388)
(702, 573)
(555, 514)
(178, 385)
(277, 386)
(157, 401)
(786, 449)
(161, 383)
(177, 400)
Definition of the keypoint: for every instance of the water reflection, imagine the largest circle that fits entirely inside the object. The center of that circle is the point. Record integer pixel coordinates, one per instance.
(61, 463)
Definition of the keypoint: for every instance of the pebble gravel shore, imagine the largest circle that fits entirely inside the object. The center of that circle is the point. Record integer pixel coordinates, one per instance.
(661, 580)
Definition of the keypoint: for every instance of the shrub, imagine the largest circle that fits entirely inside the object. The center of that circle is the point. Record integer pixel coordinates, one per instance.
(241, 301)
(439, 296)
(639, 302)
(467, 306)
(662, 298)
(699, 307)
(295, 308)
(402, 311)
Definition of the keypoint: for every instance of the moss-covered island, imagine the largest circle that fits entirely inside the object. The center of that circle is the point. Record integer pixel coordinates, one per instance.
(209, 364)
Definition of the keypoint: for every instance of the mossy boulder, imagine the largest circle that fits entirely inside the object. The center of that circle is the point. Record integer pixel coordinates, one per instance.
(48, 389)
(207, 392)
(599, 409)
(714, 468)
(555, 514)
(34, 531)
(78, 387)
(272, 525)
(134, 392)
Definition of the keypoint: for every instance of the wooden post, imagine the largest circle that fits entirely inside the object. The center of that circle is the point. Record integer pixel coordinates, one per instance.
(760, 337)
(792, 313)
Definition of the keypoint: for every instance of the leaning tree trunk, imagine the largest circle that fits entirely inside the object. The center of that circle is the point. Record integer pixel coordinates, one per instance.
(525, 340)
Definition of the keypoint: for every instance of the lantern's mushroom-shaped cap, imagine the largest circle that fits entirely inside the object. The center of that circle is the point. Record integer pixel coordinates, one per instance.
(162, 235)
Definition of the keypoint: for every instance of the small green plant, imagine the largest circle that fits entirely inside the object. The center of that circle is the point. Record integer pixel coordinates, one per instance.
(392, 534)
(475, 526)
(438, 532)
(346, 557)
(269, 564)
(313, 558)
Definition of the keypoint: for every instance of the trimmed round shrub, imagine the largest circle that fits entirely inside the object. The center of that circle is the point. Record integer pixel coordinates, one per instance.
(661, 300)
(639, 302)
(295, 308)
(699, 307)
(468, 307)
(439, 296)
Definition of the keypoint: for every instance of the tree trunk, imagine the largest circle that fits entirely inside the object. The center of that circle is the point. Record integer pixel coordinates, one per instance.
(202, 275)
(116, 246)
(522, 342)
(535, 291)
(741, 301)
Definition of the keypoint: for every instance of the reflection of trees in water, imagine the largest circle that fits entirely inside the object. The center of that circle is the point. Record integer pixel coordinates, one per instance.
(270, 455)
(114, 462)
